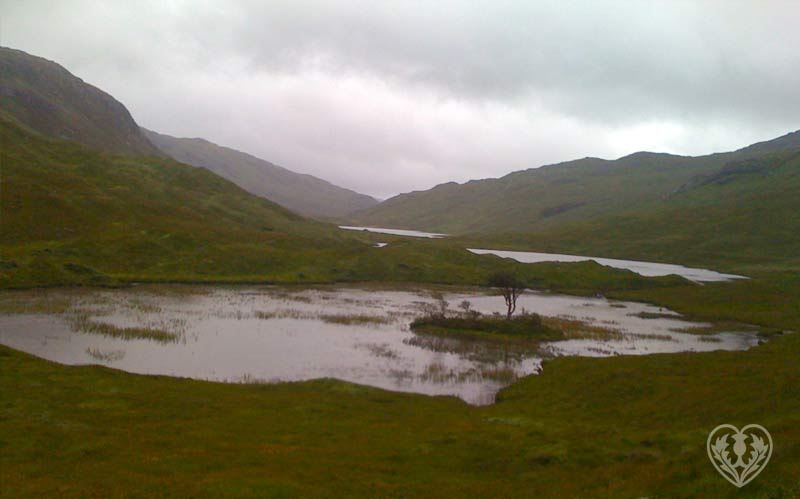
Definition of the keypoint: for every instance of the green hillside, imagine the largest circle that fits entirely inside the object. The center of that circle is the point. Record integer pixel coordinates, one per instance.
(735, 211)
(300, 193)
(744, 216)
(72, 215)
(47, 98)
(63, 203)
(550, 196)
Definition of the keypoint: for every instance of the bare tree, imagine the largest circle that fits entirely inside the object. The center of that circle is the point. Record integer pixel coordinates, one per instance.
(510, 287)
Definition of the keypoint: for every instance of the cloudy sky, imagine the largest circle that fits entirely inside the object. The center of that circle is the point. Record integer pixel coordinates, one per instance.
(390, 96)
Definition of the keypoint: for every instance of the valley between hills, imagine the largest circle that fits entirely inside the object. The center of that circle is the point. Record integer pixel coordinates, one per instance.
(104, 224)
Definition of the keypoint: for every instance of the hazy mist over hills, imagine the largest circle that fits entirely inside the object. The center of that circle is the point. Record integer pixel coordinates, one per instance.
(385, 98)
(301, 193)
(48, 99)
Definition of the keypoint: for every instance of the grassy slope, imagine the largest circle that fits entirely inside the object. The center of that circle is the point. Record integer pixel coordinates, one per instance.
(298, 192)
(50, 100)
(747, 222)
(618, 427)
(735, 208)
(537, 197)
(70, 215)
(540, 197)
(64, 204)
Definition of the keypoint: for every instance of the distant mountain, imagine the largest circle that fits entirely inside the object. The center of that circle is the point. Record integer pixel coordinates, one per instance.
(302, 193)
(578, 191)
(48, 99)
(789, 141)
(743, 216)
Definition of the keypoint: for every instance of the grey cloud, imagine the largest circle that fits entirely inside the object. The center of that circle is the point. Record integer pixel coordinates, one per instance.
(385, 97)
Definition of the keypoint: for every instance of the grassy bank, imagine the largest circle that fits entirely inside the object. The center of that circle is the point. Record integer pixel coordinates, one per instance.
(769, 300)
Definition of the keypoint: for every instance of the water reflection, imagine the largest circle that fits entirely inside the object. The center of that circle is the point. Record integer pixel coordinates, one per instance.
(269, 334)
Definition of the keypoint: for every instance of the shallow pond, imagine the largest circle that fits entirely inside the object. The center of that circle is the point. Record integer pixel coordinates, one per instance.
(269, 334)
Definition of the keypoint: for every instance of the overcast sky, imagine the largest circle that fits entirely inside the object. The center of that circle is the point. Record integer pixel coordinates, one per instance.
(390, 96)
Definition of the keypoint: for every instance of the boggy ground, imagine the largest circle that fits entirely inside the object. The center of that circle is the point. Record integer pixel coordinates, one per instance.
(616, 427)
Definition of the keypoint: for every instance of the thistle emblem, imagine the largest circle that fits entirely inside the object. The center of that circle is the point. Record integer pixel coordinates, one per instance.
(739, 455)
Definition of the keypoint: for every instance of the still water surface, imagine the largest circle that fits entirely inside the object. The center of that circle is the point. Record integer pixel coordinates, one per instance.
(270, 334)
(395, 232)
(649, 269)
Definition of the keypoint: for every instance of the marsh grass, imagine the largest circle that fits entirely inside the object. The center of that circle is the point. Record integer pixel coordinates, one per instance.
(382, 350)
(477, 349)
(286, 313)
(237, 314)
(105, 356)
(604, 352)
(503, 374)
(526, 326)
(656, 315)
(249, 379)
(35, 302)
(573, 328)
(701, 325)
(438, 372)
(354, 319)
(286, 295)
(486, 338)
(138, 305)
(263, 315)
(84, 324)
(341, 319)
(715, 327)
(654, 336)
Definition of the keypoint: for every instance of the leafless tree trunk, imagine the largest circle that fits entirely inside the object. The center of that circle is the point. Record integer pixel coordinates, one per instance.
(510, 287)
(510, 295)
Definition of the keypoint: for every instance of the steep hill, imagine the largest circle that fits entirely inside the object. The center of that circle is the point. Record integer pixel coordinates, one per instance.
(548, 197)
(48, 99)
(67, 209)
(301, 193)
